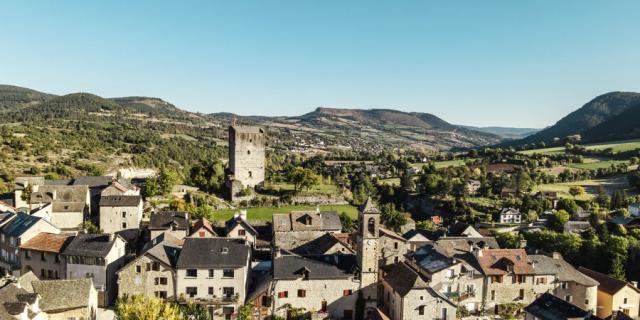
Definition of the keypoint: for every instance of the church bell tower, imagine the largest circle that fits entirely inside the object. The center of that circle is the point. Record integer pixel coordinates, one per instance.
(368, 224)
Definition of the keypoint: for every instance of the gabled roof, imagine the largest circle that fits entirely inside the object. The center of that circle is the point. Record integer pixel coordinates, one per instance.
(545, 265)
(20, 224)
(120, 201)
(233, 222)
(290, 266)
(307, 221)
(607, 284)
(90, 245)
(429, 259)
(321, 245)
(48, 242)
(504, 261)
(550, 307)
(203, 223)
(403, 278)
(93, 181)
(205, 253)
(165, 219)
(382, 232)
(13, 301)
(63, 193)
(452, 246)
(62, 295)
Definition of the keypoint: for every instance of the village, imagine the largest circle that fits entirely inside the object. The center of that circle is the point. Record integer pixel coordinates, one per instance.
(77, 248)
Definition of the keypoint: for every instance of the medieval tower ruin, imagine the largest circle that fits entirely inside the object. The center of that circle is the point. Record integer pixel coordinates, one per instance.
(369, 221)
(246, 156)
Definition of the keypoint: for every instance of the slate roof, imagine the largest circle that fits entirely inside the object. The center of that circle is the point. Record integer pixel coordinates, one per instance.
(20, 224)
(62, 295)
(164, 219)
(289, 266)
(391, 234)
(68, 206)
(64, 193)
(89, 245)
(209, 253)
(321, 245)
(429, 259)
(167, 250)
(13, 301)
(544, 265)
(93, 181)
(452, 246)
(48, 242)
(22, 182)
(297, 221)
(233, 222)
(618, 315)
(550, 307)
(607, 284)
(368, 207)
(576, 226)
(496, 261)
(403, 278)
(120, 201)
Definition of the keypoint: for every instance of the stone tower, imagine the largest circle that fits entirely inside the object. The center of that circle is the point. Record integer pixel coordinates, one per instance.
(246, 155)
(368, 224)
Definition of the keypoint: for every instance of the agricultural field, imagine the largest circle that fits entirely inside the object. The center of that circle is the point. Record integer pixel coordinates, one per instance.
(611, 185)
(323, 188)
(595, 164)
(265, 213)
(616, 146)
(445, 164)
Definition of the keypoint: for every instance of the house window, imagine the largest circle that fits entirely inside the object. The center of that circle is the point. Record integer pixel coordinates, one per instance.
(124, 214)
(248, 152)
(565, 285)
(192, 273)
(160, 294)
(395, 245)
(241, 232)
(283, 294)
(250, 174)
(227, 273)
(138, 269)
(567, 298)
(624, 301)
(323, 306)
(210, 291)
(49, 274)
(302, 293)
(148, 266)
(522, 279)
(160, 281)
(586, 302)
(43, 257)
(27, 254)
(227, 291)
(124, 225)
(421, 310)
(496, 279)
(493, 294)
(192, 291)
(57, 258)
(155, 266)
(347, 292)
(541, 281)
(521, 296)
(210, 273)
(43, 273)
(201, 234)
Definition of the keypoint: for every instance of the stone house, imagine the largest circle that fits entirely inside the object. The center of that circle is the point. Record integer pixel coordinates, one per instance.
(323, 285)
(238, 227)
(614, 295)
(214, 272)
(550, 307)
(392, 247)
(172, 222)
(67, 299)
(510, 215)
(96, 256)
(21, 188)
(328, 243)
(460, 229)
(294, 229)
(15, 230)
(152, 273)
(42, 255)
(246, 155)
(556, 276)
(118, 213)
(120, 188)
(202, 228)
(406, 295)
(70, 203)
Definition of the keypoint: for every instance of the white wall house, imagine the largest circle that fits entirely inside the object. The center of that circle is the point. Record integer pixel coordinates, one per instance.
(119, 213)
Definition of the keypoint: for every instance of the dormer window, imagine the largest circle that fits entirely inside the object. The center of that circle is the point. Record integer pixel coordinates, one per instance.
(224, 250)
(307, 220)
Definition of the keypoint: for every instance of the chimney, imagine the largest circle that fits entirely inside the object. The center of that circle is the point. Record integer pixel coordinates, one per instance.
(318, 209)
(635, 284)
(523, 244)
(556, 255)
(478, 252)
(236, 215)
(112, 236)
(243, 215)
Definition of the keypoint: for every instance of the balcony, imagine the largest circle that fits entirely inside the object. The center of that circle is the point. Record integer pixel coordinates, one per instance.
(210, 300)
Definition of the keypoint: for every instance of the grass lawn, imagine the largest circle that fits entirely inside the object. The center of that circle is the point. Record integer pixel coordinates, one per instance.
(321, 188)
(611, 184)
(547, 151)
(445, 164)
(595, 163)
(487, 202)
(265, 213)
(617, 146)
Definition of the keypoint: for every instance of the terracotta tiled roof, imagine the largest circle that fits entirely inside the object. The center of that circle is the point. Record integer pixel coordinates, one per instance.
(203, 223)
(48, 242)
(500, 261)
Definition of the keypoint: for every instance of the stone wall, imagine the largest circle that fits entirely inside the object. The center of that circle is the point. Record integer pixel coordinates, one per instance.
(131, 282)
(247, 155)
(332, 291)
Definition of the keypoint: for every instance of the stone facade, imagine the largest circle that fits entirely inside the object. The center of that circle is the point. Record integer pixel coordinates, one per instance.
(391, 247)
(334, 298)
(46, 265)
(367, 253)
(117, 218)
(417, 304)
(247, 154)
(149, 277)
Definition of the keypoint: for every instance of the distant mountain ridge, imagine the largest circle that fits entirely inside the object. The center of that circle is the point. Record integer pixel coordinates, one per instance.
(594, 113)
(507, 132)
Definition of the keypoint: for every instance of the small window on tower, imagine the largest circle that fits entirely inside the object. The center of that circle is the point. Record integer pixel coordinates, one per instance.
(371, 225)
(248, 151)
(250, 174)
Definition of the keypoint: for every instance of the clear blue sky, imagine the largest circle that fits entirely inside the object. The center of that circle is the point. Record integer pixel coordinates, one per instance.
(512, 63)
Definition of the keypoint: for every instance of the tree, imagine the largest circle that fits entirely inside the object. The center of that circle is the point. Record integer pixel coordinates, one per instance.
(634, 179)
(245, 312)
(348, 224)
(208, 175)
(576, 191)
(568, 205)
(90, 227)
(426, 225)
(303, 178)
(192, 311)
(166, 180)
(151, 187)
(140, 307)
(558, 219)
(391, 217)
(26, 193)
